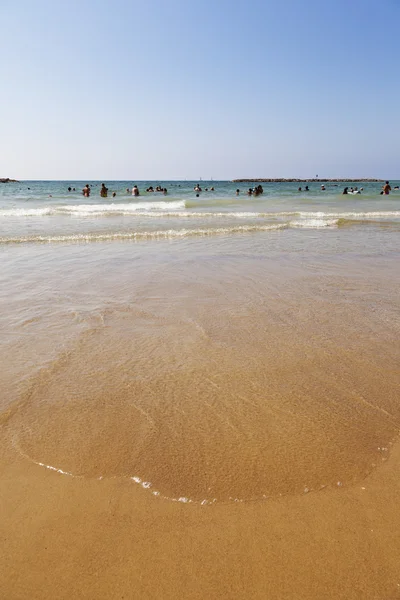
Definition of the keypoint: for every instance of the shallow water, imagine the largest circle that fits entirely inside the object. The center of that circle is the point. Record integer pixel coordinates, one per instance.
(253, 364)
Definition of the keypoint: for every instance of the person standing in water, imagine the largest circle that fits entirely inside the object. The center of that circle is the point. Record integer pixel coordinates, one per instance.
(387, 189)
(86, 191)
(103, 191)
(135, 191)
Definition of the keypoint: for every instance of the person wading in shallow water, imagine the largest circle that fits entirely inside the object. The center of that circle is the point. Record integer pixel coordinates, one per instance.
(86, 191)
(387, 189)
(103, 191)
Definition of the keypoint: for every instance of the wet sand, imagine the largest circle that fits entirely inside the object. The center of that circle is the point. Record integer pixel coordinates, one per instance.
(229, 431)
(67, 538)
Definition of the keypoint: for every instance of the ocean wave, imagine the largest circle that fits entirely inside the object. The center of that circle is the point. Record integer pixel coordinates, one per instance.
(26, 212)
(94, 209)
(314, 223)
(100, 209)
(351, 215)
(176, 209)
(140, 235)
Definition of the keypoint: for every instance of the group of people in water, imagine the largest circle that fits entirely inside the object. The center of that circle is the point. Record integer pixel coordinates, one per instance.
(197, 188)
(104, 191)
(386, 189)
(252, 191)
(256, 191)
(158, 189)
(352, 191)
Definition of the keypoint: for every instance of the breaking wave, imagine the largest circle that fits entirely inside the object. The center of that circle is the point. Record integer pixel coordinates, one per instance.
(139, 235)
(85, 210)
(176, 209)
(314, 223)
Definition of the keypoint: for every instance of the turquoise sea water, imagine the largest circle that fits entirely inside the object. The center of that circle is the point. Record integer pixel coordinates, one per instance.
(44, 211)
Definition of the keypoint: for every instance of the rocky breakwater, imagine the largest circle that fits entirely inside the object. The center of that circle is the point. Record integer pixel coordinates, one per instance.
(361, 179)
(8, 180)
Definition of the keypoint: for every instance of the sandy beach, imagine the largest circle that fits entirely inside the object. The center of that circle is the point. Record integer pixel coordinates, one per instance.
(68, 538)
(199, 301)
(225, 431)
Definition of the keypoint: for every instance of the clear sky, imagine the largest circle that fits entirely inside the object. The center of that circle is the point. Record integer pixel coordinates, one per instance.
(150, 89)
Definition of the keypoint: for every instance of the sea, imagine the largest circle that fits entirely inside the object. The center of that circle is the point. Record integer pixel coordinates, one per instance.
(44, 211)
(203, 346)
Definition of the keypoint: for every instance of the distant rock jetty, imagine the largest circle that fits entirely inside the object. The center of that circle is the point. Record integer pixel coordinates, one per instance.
(7, 180)
(361, 179)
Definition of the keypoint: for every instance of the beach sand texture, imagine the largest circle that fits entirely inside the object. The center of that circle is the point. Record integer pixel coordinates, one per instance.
(228, 431)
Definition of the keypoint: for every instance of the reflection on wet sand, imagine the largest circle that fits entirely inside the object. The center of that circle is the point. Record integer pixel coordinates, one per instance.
(206, 418)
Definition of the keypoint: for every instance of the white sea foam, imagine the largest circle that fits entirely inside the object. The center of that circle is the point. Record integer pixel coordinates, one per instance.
(94, 209)
(350, 215)
(140, 235)
(176, 209)
(26, 212)
(203, 215)
(100, 209)
(314, 223)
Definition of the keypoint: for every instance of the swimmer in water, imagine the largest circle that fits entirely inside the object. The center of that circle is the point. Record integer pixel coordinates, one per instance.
(103, 191)
(387, 189)
(135, 191)
(86, 191)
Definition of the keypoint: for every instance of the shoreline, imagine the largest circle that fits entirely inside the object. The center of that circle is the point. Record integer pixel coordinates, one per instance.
(208, 419)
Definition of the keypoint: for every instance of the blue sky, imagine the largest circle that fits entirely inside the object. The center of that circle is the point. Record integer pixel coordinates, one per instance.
(94, 89)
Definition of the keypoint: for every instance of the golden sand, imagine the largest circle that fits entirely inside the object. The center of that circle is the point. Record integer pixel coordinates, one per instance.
(75, 538)
(243, 446)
